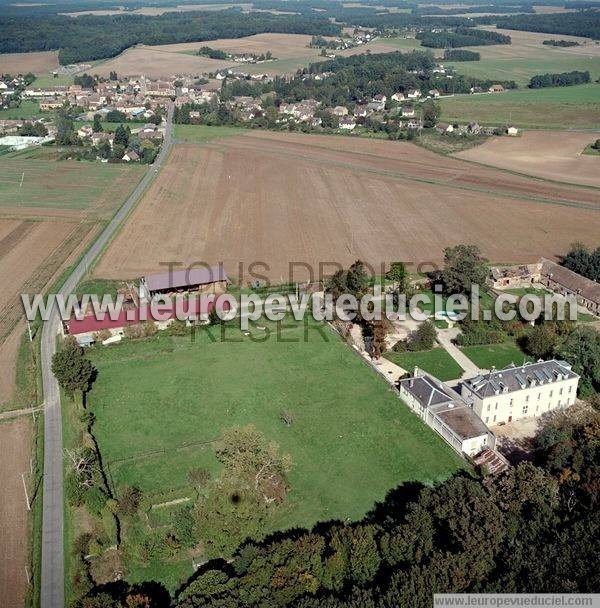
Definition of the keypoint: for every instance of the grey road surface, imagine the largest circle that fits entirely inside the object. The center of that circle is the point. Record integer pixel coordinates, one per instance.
(52, 583)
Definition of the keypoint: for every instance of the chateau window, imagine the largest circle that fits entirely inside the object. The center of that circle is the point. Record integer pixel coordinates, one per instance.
(539, 396)
(525, 409)
(560, 392)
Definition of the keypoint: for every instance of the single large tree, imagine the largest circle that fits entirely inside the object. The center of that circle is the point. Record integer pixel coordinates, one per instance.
(464, 266)
(73, 370)
(582, 350)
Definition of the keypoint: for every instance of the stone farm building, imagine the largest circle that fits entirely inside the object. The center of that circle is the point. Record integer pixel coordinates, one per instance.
(211, 279)
(555, 277)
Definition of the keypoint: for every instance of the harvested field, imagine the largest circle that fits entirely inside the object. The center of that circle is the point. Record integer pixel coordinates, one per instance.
(8, 361)
(290, 50)
(49, 210)
(21, 63)
(156, 63)
(281, 198)
(15, 438)
(32, 260)
(154, 11)
(553, 155)
(35, 178)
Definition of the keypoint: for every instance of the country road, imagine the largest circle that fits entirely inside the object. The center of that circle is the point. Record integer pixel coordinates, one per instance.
(52, 583)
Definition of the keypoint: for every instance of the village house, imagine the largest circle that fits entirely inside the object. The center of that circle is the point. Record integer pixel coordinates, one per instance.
(85, 132)
(131, 156)
(347, 123)
(376, 104)
(444, 128)
(473, 128)
(46, 106)
(360, 110)
(512, 131)
(398, 96)
(413, 94)
(496, 88)
(101, 137)
(446, 412)
(408, 111)
(433, 93)
(524, 391)
(339, 111)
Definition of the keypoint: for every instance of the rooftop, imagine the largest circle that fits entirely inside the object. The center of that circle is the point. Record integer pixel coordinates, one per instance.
(200, 275)
(446, 404)
(513, 378)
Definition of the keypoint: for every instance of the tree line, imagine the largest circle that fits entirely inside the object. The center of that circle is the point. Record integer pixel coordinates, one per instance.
(585, 23)
(78, 39)
(581, 260)
(461, 55)
(565, 79)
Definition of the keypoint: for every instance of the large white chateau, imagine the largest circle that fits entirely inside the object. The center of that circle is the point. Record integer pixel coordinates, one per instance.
(525, 391)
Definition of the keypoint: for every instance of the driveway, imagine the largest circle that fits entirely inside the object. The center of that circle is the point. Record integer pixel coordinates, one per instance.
(445, 337)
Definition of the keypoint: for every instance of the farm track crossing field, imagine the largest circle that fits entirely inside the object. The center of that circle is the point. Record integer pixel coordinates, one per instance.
(15, 437)
(281, 198)
(556, 155)
(160, 403)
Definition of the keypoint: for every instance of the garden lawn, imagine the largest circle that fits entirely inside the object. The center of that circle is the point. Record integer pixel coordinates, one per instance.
(435, 361)
(499, 355)
(159, 403)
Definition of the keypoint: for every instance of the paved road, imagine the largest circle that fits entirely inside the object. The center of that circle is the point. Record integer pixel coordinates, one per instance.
(52, 585)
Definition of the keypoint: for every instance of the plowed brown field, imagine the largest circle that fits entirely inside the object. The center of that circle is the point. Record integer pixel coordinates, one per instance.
(556, 155)
(21, 63)
(280, 198)
(15, 440)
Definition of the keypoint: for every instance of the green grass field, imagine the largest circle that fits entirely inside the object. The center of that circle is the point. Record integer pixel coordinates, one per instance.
(499, 355)
(27, 109)
(35, 178)
(521, 69)
(160, 403)
(199, 134)
(559, 107)
(435, 361)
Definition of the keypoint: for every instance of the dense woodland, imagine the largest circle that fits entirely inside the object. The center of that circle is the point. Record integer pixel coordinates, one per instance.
(565, 79)
(581, 260)
(92, 37)
(462, 36)
(532, 529)
(585, 23)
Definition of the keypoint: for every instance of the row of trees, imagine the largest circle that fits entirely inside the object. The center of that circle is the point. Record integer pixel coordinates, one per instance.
(532, 529)
(461, 55)
(461, 36)
(565, 79)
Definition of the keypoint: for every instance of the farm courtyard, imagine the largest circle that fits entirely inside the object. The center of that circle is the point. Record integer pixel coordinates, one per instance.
(161, 403)
(242, 196)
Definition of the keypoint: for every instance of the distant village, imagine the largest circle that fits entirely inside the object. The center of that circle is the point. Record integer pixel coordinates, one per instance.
(93, 102)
